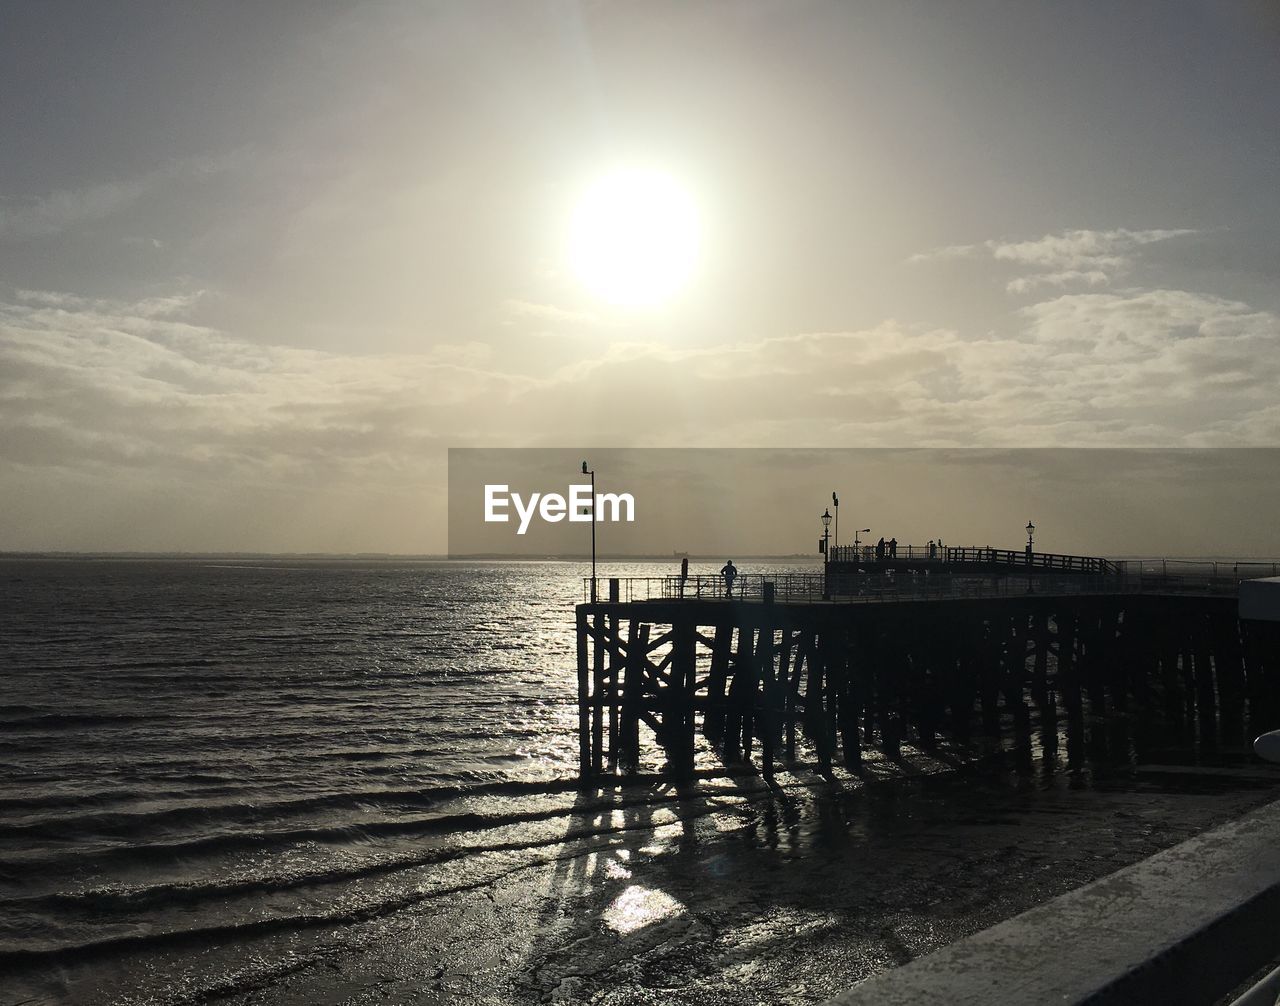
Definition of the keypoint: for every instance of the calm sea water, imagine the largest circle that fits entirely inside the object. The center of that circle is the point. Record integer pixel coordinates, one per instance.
(195, 749)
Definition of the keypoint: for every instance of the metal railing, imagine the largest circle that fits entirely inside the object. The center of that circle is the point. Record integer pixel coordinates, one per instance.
(707, 587)
(949, 555)
(880, 587)
(1241, 569)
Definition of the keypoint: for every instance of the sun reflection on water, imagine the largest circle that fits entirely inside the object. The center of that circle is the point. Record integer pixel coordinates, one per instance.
(637, 907)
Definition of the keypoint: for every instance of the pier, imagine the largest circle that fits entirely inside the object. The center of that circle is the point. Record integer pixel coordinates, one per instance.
(816, 669)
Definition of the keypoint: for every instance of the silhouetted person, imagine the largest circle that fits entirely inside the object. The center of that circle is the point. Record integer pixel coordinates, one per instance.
(933, 549)
(880, 550)
(730, 573)
(893, 548)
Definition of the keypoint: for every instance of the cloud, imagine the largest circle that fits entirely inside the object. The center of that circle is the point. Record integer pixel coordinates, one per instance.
(946, 252)
(105, 385)
(151, 307)
(1155, 368)
(136, 401)
(1087, 257)
(63, 210)
(101, 384)
(59, 211)
(1064, 278)
(1199, 365)
(517, 309)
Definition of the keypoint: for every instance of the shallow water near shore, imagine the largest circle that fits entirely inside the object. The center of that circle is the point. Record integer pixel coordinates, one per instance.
(351, 782)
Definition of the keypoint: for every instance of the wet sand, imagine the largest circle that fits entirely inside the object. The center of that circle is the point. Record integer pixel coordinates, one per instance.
(738, 892)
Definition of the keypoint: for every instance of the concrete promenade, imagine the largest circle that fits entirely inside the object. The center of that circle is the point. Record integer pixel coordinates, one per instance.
(1186, 925)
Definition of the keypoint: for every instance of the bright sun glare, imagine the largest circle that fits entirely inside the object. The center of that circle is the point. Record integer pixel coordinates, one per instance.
(634, 238)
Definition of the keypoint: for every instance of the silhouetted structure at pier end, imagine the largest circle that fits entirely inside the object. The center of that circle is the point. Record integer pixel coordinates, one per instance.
(821, 668)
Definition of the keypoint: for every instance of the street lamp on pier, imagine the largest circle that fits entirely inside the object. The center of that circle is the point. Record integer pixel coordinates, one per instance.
(591, 472)
(835, 502)
(1031, 530)
(826, 553)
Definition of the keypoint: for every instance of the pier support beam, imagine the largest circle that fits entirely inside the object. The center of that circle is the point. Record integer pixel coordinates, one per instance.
(909, 673)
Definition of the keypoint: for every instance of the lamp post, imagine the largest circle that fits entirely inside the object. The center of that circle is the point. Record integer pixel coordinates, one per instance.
(1031, 530)
(835, 502)
(826, 553)
(591, 472)
(856, 543)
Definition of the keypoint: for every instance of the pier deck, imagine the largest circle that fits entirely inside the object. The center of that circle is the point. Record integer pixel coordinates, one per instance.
(837, 666)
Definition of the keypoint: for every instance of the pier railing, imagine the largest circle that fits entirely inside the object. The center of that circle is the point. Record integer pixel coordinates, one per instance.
(948, 555)
(1238, 569)
(885, 587)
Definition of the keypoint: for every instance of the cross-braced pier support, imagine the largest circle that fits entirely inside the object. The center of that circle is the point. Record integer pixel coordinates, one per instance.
(756, 680)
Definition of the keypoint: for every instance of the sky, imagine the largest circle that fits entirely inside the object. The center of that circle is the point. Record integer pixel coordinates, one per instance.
(261, 265)
(1115, 502)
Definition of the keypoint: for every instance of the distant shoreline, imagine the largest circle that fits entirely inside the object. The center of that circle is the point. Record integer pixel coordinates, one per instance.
(794, 557)
(395, 557)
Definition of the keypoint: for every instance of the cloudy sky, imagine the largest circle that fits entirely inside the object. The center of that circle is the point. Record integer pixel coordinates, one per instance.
(262, 264)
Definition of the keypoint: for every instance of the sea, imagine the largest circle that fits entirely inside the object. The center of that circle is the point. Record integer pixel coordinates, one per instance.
(197, 750)
(298, 780)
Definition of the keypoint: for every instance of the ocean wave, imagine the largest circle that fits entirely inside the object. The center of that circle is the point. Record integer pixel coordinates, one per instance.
(165, 896)
(266, 841)
(63, 721)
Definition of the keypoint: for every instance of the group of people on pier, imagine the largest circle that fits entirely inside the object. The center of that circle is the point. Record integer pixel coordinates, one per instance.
(888, 550)
(884, 550)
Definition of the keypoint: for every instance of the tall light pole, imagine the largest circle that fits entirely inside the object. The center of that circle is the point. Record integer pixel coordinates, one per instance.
(591, 472)
(826, 553)
(835, 502)
(1031, 530)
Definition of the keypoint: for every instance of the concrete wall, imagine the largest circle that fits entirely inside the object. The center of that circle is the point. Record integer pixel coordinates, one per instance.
(1185, 926)
(1260, 599)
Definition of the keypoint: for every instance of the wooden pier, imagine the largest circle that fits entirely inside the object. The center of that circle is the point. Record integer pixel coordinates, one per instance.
(778, 672)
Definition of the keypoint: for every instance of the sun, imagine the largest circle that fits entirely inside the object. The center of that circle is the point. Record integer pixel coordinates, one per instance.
(634, 238)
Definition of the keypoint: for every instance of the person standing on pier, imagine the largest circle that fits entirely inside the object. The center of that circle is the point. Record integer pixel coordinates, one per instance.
(880, 550)
(893, 548)
(730, 573)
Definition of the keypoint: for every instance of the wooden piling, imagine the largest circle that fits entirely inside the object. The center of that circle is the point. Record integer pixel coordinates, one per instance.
(680, 709)
(741, 696)
(1206, 690)
(770, 720)
(912, 671)
(633, 695)
(713, 721)
(597, 696)
(847, 703)
(584, 699)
